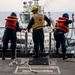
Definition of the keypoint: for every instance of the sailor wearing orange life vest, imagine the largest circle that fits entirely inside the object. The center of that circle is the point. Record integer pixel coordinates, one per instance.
(11, 26)
(62, 26)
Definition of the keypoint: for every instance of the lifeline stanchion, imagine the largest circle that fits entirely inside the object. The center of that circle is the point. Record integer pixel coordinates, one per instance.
(72, 24)
(49, 44)
(26, 40)
(74, 32)
(53, 24)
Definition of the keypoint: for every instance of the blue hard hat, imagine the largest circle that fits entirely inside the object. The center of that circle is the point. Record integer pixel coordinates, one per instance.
(65, 15)
(13, 14)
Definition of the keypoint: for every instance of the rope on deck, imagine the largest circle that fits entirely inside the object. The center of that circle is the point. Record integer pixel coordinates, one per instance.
(16, 62)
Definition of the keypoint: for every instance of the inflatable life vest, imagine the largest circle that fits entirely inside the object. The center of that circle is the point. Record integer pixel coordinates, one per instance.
(61, 24)
(11, 22)
(38, 21)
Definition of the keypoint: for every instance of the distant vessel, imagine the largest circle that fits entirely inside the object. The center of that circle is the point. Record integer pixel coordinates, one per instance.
(25, 39)
(25, 17)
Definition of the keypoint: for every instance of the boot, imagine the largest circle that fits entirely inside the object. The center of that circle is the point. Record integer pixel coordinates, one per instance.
(57, 52)
(3, 55)
(64, 56)
(13, 54)
(42, 51)
(36, 55)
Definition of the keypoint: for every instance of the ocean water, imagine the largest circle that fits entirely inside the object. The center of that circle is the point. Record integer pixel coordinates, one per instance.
(53, 15)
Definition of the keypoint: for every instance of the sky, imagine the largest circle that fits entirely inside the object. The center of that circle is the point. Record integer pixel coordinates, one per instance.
(50, 5)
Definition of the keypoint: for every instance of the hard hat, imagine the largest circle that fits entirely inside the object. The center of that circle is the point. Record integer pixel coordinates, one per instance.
(65, 15)
(34, 8)
(13, 13)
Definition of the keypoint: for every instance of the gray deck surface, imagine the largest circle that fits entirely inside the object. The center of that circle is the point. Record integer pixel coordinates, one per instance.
(55, 66)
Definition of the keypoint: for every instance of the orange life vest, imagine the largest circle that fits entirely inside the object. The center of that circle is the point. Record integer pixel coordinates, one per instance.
(61, 24)
(11, 22)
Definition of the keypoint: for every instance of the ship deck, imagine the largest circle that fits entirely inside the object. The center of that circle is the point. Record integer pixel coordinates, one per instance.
(53, 66)
(46, 64)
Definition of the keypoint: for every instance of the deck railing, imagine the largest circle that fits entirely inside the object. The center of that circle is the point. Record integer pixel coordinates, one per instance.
(25, 45)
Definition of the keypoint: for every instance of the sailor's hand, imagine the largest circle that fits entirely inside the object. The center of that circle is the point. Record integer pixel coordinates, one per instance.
(28, 30)
(25, 29)
(46, 25)
(22, 30)
(72, 14)
(50, 29)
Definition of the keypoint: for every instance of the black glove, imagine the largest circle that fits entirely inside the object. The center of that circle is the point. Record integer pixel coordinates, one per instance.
(28, 30)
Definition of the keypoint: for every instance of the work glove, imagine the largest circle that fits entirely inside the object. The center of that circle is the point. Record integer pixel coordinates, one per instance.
(28, 30)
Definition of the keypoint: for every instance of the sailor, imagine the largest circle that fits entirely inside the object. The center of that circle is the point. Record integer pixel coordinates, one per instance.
(37, 24)
(62, 27)
(11, 26)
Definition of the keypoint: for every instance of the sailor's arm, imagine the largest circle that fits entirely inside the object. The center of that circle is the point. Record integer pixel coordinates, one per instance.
(17, 27)
(68, 22)
(48, 21)
(30, 24)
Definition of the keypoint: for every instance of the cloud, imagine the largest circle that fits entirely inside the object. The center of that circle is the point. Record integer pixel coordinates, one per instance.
(60, 5)
(50, 5)
(11, 5)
